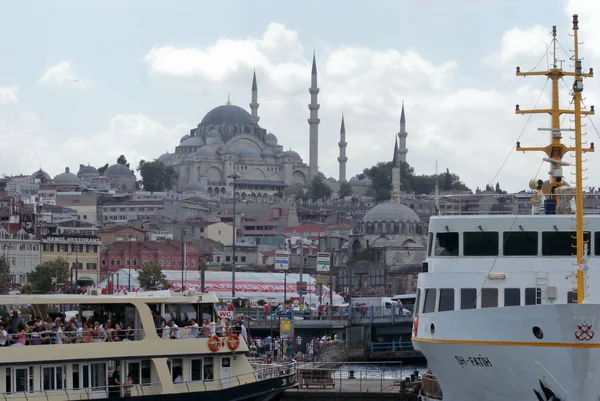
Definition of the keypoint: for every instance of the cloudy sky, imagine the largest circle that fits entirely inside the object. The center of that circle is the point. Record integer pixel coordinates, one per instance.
(83, 82)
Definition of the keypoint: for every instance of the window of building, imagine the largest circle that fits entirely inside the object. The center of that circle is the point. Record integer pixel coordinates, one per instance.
(145, 259)
(91, 266)
(135, 261)
(103, 262)
(520, 243)
(512, 297)
(480, 243)
(174, 262)
(168, 262)
(118, 261)
(446, 244)
(533, 296)
(227, 258)
(468, 298)
(243, 258)
(446, 300)
(112, 262)
(489, 298)
(561, 243)
(430, 297)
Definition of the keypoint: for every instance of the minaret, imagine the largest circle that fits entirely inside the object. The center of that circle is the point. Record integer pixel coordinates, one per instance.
(254, 105)
(313, 122)
(342, 144)
(403, 150)
(395, 196)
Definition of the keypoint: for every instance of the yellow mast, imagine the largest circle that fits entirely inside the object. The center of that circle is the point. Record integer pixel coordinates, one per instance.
(556, 150)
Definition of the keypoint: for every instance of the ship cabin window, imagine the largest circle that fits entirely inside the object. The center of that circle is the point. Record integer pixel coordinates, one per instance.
(418, 302)
(446, 244)
(512, 297)
(446, 300)
(533, 296)
(480, 243)
(139, 371)
(19, 380)
(209, 373)
(489, 298)
(561, 243)
(468, 298)
(182, 313)
(520, 243)
(596, 243)
(176, 368)
(89, 375)
(54, 377)
(430, 297)
(429, 244)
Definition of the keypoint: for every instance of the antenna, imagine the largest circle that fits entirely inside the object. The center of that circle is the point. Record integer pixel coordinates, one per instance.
(437, 189)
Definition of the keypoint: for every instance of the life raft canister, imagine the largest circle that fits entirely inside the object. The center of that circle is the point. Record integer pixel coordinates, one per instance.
(233, 342)
(214, 343)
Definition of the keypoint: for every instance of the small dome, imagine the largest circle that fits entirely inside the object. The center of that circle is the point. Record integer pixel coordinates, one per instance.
(88, 170)
(249, 152)
(67, 178)
(183, 138)
(117, 170)
(195, 140)
(193, 186)
(164, 157)
(391, 211)
(354, 180)
(103, 187)
(292, 155)
(42, 176)
(331, 179)
(271, 139)
(227, 114)
(268, 153)
(213, 134)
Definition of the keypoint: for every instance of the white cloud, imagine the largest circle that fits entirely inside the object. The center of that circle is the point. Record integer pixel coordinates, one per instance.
(63, 74)
(9, 95)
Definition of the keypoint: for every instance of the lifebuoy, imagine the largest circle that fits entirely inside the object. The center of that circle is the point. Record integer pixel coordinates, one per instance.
(415, 326)
(233, 342)
(214, 343)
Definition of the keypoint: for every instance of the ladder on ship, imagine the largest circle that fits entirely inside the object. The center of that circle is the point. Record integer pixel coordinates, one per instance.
(541, 282)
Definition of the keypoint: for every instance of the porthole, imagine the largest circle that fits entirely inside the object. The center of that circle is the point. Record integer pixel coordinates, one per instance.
(537, 332)
(432, 328)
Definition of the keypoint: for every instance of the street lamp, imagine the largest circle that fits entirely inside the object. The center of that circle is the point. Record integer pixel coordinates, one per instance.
(234, 177)
(183, 260)
(129, 265)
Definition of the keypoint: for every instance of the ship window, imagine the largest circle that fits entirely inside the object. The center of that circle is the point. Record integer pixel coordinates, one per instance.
(430, 244)
(489, 298)
(196, 370)
(520, 243)
(596, 243)
(176, 368)
(561, 243)
(208, 369)
(572, 297)
(54, 377)
(512, 297)
(468, 298)
(417, 302)
(533, 296)
(446, 300)
(480, 243)
(446, 244)
(429, 304)
(146, 371)
(19, 379)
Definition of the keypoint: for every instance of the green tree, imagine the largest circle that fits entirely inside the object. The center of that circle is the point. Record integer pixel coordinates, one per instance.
(122, 160)
(5, 276)
(319, 190)
(102, 169)
(156, 177)
(40, 176)
(40, 279)
(151, 278)
(345, 190)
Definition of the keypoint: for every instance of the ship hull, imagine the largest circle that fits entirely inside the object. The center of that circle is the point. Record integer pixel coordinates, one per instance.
(493, 354)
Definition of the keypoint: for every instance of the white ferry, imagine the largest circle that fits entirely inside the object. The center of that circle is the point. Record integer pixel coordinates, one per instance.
(505, 306)
(139, 360)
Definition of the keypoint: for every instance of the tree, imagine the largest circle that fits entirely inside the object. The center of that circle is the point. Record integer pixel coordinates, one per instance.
(151, 278)
(40, 279)
(156, 177)
(319, 190)
(345, 190)
(40, 175)
(102, 169)
(122, 160)
(5, 276)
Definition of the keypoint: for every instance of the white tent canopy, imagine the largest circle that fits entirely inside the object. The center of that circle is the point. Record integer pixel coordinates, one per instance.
(248, 285)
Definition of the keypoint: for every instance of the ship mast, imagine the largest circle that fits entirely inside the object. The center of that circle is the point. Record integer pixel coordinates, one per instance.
(556, 150)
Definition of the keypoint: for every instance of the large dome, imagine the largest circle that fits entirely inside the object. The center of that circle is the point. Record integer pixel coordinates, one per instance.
(67, 178)
(117, 170)
(391, 211)
(227, 114)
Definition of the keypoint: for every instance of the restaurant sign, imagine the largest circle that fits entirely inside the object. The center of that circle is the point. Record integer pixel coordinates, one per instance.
(74, 240)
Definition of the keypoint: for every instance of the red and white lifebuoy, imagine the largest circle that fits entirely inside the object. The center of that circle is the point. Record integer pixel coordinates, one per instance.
(233, 342)
(214, 343)
(415, 326)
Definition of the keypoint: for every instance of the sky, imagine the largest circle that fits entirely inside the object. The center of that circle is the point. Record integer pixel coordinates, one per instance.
(84, 82)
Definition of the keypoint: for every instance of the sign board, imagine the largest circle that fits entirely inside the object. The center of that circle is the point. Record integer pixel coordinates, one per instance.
(282, 260)
(286, 328)
(225, 314)
(301, 286)
(323, 262)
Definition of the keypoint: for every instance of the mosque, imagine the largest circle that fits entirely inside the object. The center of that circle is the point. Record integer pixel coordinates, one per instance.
(229, 144)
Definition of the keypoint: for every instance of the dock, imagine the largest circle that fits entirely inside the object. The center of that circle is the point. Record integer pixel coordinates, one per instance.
(354, 390)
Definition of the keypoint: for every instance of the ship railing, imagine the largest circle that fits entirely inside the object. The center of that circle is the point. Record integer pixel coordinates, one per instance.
(270, 371)
(46, 337)
(351, 313)
(507, 204)
(391, 346)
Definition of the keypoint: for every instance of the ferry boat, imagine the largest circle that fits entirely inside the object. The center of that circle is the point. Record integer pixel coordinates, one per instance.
(133, 357)
(506, 307)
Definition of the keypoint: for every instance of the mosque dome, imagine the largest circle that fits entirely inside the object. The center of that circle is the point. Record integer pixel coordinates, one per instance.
(67, 178)
(117, 170)
(292, 155)
(249, 152)
(229, 151)
(88, 170)
(183, 138)
(271, 139)
(193, 186)
(195, 140)
(391, 211)
(42, 176)
(268, 153)
(165, 157)
(206, 151)
(227, 114)
(213, 134)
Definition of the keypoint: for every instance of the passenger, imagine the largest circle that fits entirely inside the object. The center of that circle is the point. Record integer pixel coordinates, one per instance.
(194, 329)
(174, 330)
(3, 336)
(219, 327)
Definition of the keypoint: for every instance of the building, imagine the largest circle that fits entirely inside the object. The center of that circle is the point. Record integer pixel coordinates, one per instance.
(78, 244)
(167, 253)
(129, 210)
(23, 185)
(184, 209)
(244, 255)
(21, 250)
(84, 203)
(216, 231)
(110, 234)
